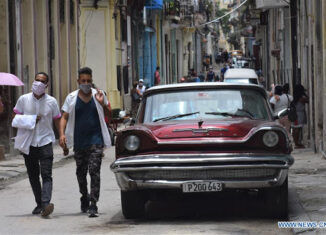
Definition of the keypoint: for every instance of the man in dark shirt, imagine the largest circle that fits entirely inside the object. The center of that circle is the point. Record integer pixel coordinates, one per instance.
(83, 115)
(210, 75)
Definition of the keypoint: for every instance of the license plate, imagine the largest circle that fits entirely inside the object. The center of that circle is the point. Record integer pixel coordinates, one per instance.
(206, 186)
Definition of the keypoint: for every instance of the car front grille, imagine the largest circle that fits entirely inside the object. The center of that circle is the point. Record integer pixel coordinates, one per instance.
(216, 174)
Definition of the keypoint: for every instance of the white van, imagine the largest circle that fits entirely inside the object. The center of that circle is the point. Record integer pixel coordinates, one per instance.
(241, 75)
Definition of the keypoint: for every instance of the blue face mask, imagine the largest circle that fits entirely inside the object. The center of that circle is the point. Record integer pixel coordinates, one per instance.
(86, 88)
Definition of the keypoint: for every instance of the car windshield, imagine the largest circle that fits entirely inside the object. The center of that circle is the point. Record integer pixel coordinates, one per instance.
(206, 104)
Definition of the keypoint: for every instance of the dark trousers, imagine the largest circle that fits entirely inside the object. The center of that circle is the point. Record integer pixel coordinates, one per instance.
(40, 160)
(89, 160)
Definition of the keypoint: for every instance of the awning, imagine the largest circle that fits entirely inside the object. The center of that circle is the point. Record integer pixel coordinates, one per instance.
(154, 4)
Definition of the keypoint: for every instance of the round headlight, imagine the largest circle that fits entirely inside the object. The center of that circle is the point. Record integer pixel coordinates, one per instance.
(270, 139)
(132, 143)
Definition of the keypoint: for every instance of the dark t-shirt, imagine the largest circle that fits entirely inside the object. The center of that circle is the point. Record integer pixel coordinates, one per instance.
(210, 76)
(87, 125)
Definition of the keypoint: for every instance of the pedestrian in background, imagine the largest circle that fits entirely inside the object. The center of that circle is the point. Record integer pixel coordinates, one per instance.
(83, 127)
(279, 102)
(223, 70)
(300, 99)
(135, 99)
(201, 76)
(183, 79)
(210, 77)
(157, 78)
(225, 56)
(141, 87)
(39, 156)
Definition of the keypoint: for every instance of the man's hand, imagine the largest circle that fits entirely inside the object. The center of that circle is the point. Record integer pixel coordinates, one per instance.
(63, 142)
(38, 118)
(99, 97)
(62, 127)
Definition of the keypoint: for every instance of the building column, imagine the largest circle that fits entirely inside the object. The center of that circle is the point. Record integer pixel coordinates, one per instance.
(323, 93)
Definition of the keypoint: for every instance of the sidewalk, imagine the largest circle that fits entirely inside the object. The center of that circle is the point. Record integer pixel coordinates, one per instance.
(14, 166)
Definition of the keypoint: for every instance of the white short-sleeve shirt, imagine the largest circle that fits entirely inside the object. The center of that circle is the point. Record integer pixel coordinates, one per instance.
(282, 103)
(46, 107)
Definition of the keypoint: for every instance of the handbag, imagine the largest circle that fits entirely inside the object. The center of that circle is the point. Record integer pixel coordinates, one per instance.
(292, 111)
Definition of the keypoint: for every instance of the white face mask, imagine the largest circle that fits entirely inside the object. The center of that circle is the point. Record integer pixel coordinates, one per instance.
(38, 88)
(86, 88)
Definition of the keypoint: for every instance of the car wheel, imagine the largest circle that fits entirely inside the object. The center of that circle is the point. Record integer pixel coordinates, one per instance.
(276, 200)
(133, 204)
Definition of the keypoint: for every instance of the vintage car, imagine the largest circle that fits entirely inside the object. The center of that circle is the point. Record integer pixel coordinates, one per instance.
(203, 137)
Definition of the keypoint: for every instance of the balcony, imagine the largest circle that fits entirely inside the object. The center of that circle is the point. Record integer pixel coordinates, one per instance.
(266, 4)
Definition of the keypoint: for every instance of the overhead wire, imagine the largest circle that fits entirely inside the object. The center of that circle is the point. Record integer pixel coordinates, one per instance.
(221, 17)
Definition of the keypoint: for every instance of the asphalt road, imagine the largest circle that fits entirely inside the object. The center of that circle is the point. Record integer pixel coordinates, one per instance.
(229, 214)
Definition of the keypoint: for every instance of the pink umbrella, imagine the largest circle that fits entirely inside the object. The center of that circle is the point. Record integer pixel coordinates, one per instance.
(8, 79)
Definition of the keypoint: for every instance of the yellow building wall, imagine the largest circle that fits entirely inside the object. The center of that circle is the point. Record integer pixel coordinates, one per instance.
(99, 51)
(113, 94)
(28, 47)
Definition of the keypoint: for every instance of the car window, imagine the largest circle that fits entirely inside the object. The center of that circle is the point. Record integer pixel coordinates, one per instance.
(242, 80)
(201, 104)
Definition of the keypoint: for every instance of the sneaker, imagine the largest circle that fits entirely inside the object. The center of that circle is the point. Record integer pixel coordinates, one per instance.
(47, 210)
(37, 210)
(92, 211)
(84, 204)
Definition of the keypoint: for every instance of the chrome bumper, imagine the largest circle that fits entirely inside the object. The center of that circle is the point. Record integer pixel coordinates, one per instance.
(198, 164)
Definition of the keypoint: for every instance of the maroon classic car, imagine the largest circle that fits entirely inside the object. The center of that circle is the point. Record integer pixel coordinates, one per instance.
(203, 137)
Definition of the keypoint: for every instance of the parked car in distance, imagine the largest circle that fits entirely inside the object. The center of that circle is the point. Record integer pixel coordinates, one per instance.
(203, 138)
(240, 63)
(241, 75)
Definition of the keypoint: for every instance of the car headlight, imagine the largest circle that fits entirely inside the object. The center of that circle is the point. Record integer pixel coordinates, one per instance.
(270, 139)
(132, 143)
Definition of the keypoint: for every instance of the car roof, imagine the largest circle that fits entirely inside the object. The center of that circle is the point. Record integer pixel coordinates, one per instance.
(202, 85)
(240, 73)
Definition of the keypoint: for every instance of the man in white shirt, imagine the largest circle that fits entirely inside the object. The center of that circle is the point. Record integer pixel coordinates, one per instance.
(281, 100)
(83, 127)
(39, 158)
(140, 87)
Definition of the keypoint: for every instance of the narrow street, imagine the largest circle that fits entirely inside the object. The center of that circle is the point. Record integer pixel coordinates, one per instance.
(193, 216)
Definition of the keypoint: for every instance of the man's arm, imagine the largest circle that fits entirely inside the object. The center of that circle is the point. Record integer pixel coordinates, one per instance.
(101, 98)
(62, 128)
(107, 111)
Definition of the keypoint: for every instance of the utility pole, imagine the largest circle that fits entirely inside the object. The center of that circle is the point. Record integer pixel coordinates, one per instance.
(296, 75)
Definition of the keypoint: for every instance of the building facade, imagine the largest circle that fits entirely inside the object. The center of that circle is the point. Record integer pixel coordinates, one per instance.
(36, 36)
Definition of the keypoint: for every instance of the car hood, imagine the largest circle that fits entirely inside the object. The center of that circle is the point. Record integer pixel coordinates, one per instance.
(236, 128)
